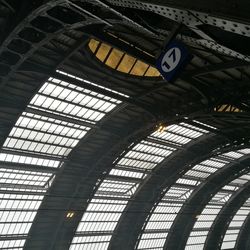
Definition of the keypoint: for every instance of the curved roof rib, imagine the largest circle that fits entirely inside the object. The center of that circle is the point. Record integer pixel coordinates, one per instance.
(164, 175)
(194, 20)
(191, 212)
(243, 241)
(54, 122)
(126, 177)
(196, 172)
(81, 163)
(226, 227)
(212, 211)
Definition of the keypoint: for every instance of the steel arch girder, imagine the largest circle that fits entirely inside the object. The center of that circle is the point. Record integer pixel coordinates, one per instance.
(125, 236)
(243, 239)
(220, 225)
(186, 219)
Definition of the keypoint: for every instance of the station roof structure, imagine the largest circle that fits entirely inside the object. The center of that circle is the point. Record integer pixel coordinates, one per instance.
(99, 151)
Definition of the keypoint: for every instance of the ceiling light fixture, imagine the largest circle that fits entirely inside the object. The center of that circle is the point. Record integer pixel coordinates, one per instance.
(161, 128)
(70, 214)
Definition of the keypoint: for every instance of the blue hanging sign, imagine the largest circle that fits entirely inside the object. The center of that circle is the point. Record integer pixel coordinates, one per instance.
(172, 60)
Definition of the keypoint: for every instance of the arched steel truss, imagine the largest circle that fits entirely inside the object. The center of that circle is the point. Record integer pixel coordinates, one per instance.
(218, 229)
(173, 168)
(80, 176)
(243, 241)
(202, 195)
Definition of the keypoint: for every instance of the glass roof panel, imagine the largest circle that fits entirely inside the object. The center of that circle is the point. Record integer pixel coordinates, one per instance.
(164, 214)
(235, 225)
(209, 214)
(135, 165)
(57, 118)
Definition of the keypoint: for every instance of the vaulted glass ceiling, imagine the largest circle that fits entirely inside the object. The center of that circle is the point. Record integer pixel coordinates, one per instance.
(130, 170)
(205, 220)
(56, 119)
(60, 114)
(158, 226)
(235, 225)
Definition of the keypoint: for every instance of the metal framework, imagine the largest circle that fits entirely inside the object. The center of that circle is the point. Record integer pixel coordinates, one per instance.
(225, 228)
(181, 161)
(94, 158)
(173, 196)
(127, 176)
(190, 212)
(243, 236)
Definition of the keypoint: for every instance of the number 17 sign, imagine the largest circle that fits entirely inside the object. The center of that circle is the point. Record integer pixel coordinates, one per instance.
(172, 60)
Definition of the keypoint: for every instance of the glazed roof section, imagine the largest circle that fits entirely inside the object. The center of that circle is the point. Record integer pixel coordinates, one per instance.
(158, 226)
(56, 119)
(128, 174)
(235, 225)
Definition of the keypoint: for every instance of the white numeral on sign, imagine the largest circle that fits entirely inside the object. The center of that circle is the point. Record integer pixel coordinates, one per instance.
(171, 59)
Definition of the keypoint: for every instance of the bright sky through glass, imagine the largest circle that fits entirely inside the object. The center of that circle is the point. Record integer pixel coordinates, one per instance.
(56, 119)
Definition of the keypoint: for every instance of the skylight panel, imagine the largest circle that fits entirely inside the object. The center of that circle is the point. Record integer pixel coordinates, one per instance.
(17, 214)
(29, 160)
(197, 174)
(143, 156)
(245, 151)
(235, 225)
(136, 163)
(214, 163)
(11, 244)
(205, 169)
(115, 187)
(56, 119)
(18, 177)
(169, 137)
(233, 155)
(126, 173)
(147, 239)
(185, 131)
(72, 101)
(94, 84)
(94, 242)
(205, 125)
(206, 219)
(189, 181)
(153, 148)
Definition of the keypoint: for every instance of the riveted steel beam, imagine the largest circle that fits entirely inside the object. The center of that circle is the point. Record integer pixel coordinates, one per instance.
(186, 218)
(220, 225)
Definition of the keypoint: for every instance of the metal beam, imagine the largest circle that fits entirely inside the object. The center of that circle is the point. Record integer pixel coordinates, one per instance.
(243, 239)
(80, 184)
(219, 8)
(217, 67)
(184, 222)
(130, 49)
(60, 117)
(22, 186)
(220, 225)
(61, 231)
(129, 100)
(151, 60)
(33, 154)
(163, 177)
(27, 167)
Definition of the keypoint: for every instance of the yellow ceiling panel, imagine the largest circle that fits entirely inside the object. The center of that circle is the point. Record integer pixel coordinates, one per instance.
(122, 62)
(114, 58)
